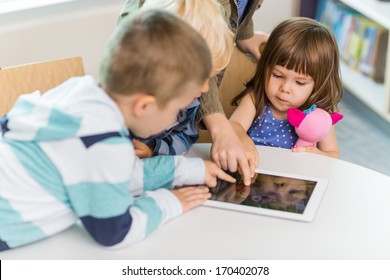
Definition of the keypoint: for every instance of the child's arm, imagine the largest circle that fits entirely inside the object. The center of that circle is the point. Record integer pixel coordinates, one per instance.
(248, 40)
(227, 150)
(158, 202)
(121, 203)
(241, 120)
(252, 44)
(327, 147)
(244, 114)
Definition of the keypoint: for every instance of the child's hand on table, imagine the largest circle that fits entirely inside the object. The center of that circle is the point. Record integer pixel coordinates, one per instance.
(192, 196)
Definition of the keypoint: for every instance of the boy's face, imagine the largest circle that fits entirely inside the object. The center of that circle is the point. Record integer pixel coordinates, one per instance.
(158, 118)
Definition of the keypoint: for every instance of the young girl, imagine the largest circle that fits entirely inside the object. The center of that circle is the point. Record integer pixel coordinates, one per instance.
(299, 67)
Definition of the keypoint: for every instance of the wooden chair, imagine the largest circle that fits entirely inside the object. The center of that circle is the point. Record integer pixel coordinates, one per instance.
(41, 76)
(238, 72)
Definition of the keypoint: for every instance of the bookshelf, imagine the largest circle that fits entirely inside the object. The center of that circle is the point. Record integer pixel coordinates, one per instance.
(373, 94)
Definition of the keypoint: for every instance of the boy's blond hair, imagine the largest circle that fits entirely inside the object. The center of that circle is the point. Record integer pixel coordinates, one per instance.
(155, 52)
(207, 17)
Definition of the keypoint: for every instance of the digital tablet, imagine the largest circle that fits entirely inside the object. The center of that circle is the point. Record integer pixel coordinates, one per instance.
(271, 193)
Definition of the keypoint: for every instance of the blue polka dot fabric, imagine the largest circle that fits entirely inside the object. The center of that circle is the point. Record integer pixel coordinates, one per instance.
(266, 130)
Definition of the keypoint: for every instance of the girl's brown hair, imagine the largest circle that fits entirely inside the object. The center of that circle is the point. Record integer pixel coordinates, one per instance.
(304, 46)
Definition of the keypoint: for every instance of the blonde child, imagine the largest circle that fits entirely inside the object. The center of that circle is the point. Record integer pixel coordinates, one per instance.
(213, 21)
(299, 67)
(179, 137)
(67, 155)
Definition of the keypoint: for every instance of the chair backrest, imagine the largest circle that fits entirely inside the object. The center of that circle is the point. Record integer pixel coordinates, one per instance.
(41, 76)
(237, 73)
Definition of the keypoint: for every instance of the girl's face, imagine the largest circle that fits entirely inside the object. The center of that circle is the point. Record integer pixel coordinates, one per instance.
(287, 89)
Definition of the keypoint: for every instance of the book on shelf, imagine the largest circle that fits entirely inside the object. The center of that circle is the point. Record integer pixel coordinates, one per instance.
(362, 42)
(373, 60)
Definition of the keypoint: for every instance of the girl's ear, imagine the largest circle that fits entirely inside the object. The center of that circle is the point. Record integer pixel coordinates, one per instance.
(295, 116)
(142, 102)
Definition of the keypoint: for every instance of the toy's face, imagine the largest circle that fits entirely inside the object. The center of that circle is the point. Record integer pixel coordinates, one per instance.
(288, 89)
(315, 126)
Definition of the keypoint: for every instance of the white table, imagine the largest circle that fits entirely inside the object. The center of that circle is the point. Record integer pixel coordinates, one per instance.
(352, 222)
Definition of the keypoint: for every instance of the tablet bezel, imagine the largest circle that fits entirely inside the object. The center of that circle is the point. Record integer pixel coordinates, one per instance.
(307, 215)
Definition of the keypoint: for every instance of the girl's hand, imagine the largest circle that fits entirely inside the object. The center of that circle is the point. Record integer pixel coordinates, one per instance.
(191, 197)
(326, 147)
(141, 149)
(317, 151)
(213, 172)
(313, 150)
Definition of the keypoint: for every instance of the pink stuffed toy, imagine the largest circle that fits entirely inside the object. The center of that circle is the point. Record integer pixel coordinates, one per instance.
(311, 125)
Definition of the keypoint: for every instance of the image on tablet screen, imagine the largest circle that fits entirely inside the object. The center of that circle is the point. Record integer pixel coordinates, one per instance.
(266, 191)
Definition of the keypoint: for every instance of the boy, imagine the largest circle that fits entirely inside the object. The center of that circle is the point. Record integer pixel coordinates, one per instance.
(67, 154)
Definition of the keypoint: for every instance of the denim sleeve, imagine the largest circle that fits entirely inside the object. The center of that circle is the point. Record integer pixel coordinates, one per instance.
(177, 139)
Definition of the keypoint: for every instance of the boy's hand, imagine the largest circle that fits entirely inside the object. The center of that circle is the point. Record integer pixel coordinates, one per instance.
(141, 149)
(191, 197)
(213, 172)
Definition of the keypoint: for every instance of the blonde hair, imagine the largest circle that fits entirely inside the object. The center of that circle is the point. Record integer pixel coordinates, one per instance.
(206, 17)
(155, 52)
(304, 46)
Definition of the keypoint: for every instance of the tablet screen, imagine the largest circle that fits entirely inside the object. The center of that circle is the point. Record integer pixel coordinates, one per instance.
(266, 191)
(270, 191)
